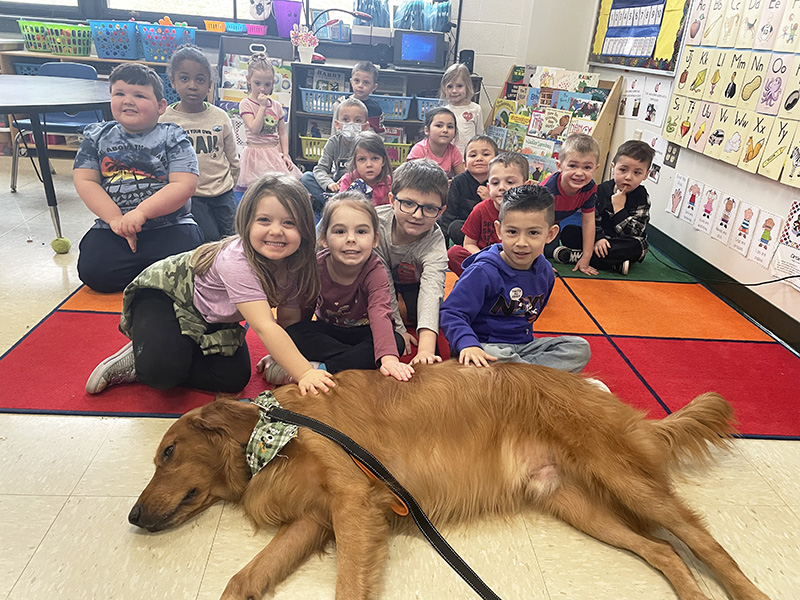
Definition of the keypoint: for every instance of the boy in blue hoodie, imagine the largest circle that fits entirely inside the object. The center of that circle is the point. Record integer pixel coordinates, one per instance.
(489, 315)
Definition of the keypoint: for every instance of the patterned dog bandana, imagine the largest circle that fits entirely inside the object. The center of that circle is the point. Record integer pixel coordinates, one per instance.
(268, 437)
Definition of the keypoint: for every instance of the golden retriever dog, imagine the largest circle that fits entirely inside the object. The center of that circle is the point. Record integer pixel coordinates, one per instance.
(465, 441)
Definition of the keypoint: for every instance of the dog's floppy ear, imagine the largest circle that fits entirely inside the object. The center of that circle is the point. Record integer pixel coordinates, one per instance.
(229, 418)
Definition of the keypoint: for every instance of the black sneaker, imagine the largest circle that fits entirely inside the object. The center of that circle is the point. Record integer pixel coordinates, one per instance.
(566, 256)
(622, 268)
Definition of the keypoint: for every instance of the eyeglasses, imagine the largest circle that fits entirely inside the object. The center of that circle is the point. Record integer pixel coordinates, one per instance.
(410, 207)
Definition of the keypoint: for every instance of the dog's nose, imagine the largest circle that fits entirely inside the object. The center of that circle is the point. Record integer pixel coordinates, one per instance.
(135, 515)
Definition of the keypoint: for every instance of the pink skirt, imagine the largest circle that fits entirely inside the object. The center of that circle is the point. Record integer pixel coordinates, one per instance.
(256, 161)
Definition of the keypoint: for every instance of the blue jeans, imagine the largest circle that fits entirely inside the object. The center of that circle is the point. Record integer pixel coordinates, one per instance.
(317, 193)
(565, 352)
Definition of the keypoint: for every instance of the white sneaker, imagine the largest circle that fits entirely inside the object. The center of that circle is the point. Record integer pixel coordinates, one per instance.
(598, 384)
(118, 368)
(566, 256)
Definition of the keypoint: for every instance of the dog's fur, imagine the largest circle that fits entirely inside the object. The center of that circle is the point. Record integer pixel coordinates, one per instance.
(464, 441)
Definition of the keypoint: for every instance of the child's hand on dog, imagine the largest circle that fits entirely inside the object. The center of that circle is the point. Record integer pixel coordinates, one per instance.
(315, 381)
(475, 355)
(392, 367)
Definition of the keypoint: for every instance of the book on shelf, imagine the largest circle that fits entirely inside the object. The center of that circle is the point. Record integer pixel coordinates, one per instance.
(498, 134)
(331, 81)
(394, 135)
(503, 109)
(318, 127)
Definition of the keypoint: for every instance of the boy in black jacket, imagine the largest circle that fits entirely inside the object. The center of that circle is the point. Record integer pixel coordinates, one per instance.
(623, 210)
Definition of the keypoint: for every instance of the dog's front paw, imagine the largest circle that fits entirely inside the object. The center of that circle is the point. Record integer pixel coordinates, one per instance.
(241, 587)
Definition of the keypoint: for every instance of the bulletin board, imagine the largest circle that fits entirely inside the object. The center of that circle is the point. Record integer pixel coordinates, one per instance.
(639, 34)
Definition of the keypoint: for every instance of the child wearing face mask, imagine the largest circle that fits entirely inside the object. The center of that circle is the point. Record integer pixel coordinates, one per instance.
(351, 120)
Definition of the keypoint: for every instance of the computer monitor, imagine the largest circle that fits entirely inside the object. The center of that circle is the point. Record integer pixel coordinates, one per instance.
(424, 50)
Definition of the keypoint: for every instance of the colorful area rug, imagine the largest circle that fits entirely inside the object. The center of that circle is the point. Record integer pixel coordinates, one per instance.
(659, 338)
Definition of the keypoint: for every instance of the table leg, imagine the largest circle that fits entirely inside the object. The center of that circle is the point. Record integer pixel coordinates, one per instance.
(44, 169)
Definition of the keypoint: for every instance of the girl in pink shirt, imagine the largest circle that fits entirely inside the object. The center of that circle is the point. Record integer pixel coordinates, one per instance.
(438, 146)
(183, 313)
(370, 164)
(354, 328)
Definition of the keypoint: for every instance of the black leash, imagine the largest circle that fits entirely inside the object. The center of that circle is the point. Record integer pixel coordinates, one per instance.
(374, 465)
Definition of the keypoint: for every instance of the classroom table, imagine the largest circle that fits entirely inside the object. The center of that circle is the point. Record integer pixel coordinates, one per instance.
(34, 96)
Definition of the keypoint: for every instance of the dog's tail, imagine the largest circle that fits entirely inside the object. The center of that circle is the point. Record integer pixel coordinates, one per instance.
(688, 433)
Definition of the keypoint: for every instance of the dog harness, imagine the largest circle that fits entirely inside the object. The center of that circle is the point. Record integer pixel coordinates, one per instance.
(269, 436)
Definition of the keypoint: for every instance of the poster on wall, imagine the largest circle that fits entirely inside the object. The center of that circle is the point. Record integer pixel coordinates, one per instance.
(723, 221)
(656, 100)
(676, 196)
(765, 237)
(692, 195)
(707, 210)
(787, 256)
(743, 226)
(639, 34)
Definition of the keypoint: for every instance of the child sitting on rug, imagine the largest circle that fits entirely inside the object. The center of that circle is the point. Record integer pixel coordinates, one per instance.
(489, 314)
(623, 210)
(353, 328)
(469, 188)
(412, 248)
(137, 176)
(574, 189)
(182, 314)
(506, 171)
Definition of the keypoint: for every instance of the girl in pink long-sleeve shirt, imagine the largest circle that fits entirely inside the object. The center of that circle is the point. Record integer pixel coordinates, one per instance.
(370, 163)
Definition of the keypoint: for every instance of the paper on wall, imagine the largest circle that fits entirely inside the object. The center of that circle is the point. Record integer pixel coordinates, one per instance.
(676, 196)
(765, 237)
(708, 209)
(724, 219)
(742, 233)
(694, 191)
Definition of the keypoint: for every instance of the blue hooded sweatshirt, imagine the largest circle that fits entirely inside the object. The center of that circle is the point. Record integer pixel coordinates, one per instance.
(493, 303)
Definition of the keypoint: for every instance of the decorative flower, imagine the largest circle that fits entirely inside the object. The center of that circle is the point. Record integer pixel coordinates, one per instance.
(301, 36)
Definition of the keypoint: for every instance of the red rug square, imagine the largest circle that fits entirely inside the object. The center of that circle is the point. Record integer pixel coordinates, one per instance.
(758, 379)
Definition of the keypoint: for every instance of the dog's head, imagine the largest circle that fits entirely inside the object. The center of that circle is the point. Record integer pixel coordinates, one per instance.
(199, 461)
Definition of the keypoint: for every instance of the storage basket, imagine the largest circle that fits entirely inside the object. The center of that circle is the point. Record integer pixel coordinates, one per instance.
(235, 27)
(214, 26)
(170, 95)
(159, 42)
(69, 40)
(397, 153)
(312, 147)
(35, 34)
(253, 29)
(23, 68)
(393, 107)
(426, 104)
(287, 13)
(116, 39)
(319, 102)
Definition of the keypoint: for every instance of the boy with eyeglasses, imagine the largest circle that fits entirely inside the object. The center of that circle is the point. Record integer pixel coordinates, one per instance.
(506, 171)
(413, 250)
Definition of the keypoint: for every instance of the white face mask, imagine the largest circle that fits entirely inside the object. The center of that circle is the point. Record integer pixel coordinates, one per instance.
(351, 130)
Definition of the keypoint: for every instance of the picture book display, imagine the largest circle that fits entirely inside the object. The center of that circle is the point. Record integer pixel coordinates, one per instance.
(539, 106)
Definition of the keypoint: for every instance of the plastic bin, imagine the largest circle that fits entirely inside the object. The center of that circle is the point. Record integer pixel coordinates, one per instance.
(159, 42)
(312, 147)
(235, 27)
(35, 34)
(426, 104)
(214, 26)
(394, 107)
(397, 153)
(253, 29)
(23, 68)
(319, 102)
(287, 13)
(69, 40)
(116, 39)
(170, 95)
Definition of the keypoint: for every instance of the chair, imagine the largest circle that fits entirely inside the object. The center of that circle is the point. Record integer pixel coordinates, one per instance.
(59, 123)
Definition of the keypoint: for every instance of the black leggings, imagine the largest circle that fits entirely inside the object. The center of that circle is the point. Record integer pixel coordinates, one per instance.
(339, 348)
(165, 358)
